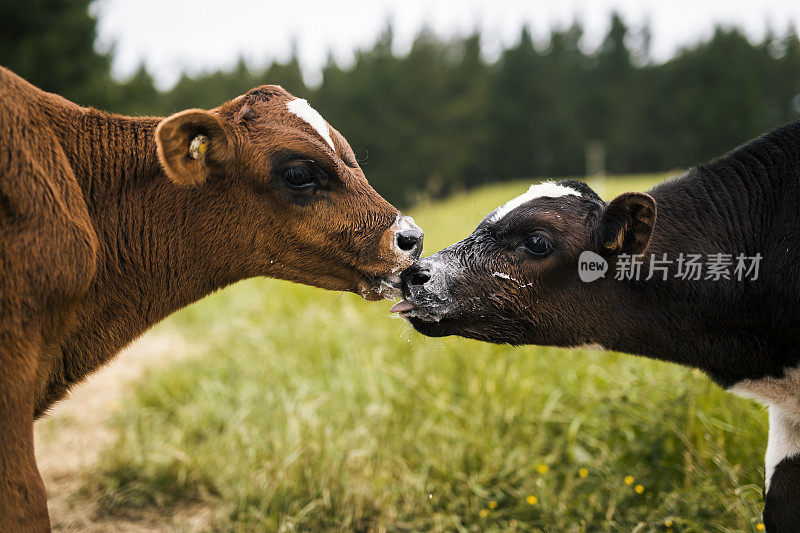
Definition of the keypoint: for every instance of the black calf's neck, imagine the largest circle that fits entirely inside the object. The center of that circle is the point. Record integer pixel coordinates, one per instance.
(746, 202)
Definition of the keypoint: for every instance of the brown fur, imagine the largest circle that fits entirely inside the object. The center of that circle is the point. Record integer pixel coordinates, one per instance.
(99, 239)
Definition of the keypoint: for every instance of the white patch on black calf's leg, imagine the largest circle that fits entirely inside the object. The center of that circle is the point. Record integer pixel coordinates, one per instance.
(784, 441)
(782, 460)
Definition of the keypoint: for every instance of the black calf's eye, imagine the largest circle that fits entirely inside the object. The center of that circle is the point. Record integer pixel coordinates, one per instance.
(538, 245)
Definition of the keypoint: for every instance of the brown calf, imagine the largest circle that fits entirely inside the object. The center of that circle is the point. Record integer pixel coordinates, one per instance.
(109, 223)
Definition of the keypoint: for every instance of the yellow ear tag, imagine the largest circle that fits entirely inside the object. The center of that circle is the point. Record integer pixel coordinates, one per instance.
(198, 146)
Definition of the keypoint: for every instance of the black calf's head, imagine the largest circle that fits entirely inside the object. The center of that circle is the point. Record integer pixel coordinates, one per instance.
(515, 279)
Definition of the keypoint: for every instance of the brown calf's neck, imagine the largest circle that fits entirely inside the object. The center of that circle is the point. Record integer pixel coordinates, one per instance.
(153, 240)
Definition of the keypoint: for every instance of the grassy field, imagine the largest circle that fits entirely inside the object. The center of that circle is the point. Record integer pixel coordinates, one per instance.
(305, 410)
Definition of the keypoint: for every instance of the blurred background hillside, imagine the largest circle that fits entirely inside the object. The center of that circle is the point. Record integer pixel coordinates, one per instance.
(443, 115)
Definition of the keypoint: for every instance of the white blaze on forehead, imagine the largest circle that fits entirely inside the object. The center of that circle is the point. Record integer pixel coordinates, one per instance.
(302, 109)
(548, 189)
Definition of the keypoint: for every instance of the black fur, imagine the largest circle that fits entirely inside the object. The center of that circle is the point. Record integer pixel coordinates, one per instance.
(782, 500)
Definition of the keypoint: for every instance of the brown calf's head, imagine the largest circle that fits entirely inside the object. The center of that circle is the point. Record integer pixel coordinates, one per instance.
(516, 279)
(287, 197)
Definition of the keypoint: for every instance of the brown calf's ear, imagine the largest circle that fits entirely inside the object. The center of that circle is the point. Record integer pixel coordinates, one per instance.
(192, 145)
(626, 225)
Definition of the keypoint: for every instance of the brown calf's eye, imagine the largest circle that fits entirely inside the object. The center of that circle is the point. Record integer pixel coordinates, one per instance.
(303, 176)
(300, 177)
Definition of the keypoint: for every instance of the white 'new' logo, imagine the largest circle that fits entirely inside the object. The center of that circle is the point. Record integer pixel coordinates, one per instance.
(591, 266)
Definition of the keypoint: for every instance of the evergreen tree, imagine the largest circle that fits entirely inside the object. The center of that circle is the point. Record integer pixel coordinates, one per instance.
(518, 103)
(51, 44)
(136, 96)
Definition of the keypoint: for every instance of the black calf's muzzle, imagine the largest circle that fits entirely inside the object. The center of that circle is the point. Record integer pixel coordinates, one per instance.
(426, 284)
(417, 275)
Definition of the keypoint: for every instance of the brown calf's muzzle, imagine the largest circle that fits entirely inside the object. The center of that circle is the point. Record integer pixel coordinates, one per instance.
(399, 245)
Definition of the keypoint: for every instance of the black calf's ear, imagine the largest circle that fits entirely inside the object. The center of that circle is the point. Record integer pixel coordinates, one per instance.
(192, 145)
(626, 225)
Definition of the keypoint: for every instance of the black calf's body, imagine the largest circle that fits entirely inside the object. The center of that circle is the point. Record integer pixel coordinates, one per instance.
(516, 280)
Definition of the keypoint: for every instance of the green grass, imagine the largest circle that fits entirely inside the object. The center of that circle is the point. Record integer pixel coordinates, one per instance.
(305, 410)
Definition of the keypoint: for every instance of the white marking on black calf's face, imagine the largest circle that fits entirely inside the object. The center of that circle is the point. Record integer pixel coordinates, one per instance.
(548, 189)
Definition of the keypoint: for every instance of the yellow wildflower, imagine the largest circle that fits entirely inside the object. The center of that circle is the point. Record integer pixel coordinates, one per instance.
(542, 468)
(484, 513)
(629, 480)
(583, 472)
(639, 489)
(492, 504)
(532, 500)
(668, 523)
(760, 527)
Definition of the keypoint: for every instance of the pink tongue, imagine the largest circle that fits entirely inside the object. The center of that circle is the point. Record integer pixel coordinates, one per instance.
(399, 307)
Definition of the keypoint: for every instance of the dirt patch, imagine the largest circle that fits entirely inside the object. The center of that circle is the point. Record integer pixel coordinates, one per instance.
(70, 439)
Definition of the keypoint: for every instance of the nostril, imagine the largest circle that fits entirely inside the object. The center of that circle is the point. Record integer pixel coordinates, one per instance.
(419, 278)
(409, 240)
(406, 242)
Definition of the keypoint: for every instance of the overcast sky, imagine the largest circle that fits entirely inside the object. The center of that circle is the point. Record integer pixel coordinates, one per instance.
(171, 36)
